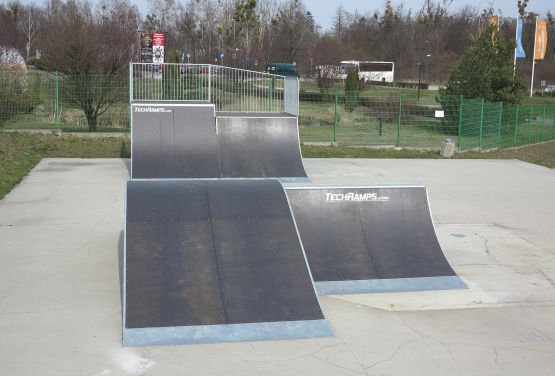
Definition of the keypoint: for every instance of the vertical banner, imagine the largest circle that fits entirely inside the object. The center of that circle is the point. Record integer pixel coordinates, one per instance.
(158, 48)
(494, 20)
(540, 45)
(146, 47)
(519, 53)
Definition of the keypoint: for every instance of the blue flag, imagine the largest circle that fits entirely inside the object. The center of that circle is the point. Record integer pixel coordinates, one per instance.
(520, 53)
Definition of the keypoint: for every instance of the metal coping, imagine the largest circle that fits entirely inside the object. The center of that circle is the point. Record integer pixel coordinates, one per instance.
(205, 334)
(372, 286)
(324, 186)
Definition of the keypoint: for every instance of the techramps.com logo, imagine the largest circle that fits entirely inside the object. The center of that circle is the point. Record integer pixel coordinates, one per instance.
(152, 109)
(352, 196)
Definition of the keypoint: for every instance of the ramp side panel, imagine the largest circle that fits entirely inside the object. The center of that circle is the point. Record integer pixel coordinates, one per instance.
(239, 149)
(398, 233)
(226, 252)
(280, 147)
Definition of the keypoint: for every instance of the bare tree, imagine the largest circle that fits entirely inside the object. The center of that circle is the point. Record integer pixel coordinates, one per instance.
(92, 51)
(29, 24)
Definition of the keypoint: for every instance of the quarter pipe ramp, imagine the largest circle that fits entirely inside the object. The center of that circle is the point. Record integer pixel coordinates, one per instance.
(214, 261)
(184, 140)
(370, 239)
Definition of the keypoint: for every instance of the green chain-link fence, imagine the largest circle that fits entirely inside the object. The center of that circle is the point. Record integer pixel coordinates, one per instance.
(40, 100)
(387, 117)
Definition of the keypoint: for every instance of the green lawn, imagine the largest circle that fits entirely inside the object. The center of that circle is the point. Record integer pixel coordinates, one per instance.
(19, 153)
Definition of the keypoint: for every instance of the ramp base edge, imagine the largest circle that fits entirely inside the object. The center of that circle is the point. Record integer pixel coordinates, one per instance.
(205, 334)
(372, 286)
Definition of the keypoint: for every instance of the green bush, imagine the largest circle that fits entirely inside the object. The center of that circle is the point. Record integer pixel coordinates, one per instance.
(352, 90)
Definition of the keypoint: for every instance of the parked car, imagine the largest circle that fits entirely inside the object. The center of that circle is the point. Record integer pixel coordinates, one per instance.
(282, 69)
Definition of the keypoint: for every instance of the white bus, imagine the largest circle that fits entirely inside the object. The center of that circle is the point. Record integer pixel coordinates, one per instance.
(381, 71)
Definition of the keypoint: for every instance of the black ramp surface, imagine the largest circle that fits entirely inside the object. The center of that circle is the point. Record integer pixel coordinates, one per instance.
(369, 233)
(207, 253)
(174, 141)
(259, 145)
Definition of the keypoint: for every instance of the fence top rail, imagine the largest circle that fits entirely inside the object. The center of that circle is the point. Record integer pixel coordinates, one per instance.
(213, 67)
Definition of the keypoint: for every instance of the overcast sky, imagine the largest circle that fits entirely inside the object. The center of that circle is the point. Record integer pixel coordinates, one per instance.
(324, 10)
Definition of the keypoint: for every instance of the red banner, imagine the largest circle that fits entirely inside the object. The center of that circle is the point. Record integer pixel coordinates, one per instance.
(158, 39)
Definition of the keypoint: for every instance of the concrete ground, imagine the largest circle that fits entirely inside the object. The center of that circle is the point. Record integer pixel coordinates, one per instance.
(60, 230)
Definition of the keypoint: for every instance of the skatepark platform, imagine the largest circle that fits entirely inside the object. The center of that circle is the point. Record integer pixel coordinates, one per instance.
(60, 310)
(215, 261)
(366, 239)
(186, 140)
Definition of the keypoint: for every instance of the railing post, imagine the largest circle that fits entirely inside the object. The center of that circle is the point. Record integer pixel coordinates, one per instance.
(500, 125)
(516, 125)
(335, 115)
(57, 110)
(460, 120)
(398, 143)
(481, 125)
(130, 82)
(210, 83)
(271, 95)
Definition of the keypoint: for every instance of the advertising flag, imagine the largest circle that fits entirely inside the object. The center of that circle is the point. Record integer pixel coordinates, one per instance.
(540, 46)
(520, 53)
(494, 20)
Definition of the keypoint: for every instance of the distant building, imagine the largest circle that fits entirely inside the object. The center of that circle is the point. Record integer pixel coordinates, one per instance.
(11, 59)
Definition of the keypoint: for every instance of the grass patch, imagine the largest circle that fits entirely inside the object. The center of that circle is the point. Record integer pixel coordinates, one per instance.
(310, 151)
(19, 153)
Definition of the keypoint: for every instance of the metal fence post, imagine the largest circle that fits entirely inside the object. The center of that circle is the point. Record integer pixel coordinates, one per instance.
(399, 119)
(460, 120)
(335, 115)
(57, 110)
(481, 126)
(530, 124)
(500, 125)
(543, 119)
(553, 121)
(516, 125)
(130, 82)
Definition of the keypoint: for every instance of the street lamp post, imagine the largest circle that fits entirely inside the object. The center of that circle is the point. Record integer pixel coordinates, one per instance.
(419, 74)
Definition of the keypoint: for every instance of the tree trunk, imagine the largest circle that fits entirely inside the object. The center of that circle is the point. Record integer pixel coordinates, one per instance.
(92, 119)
